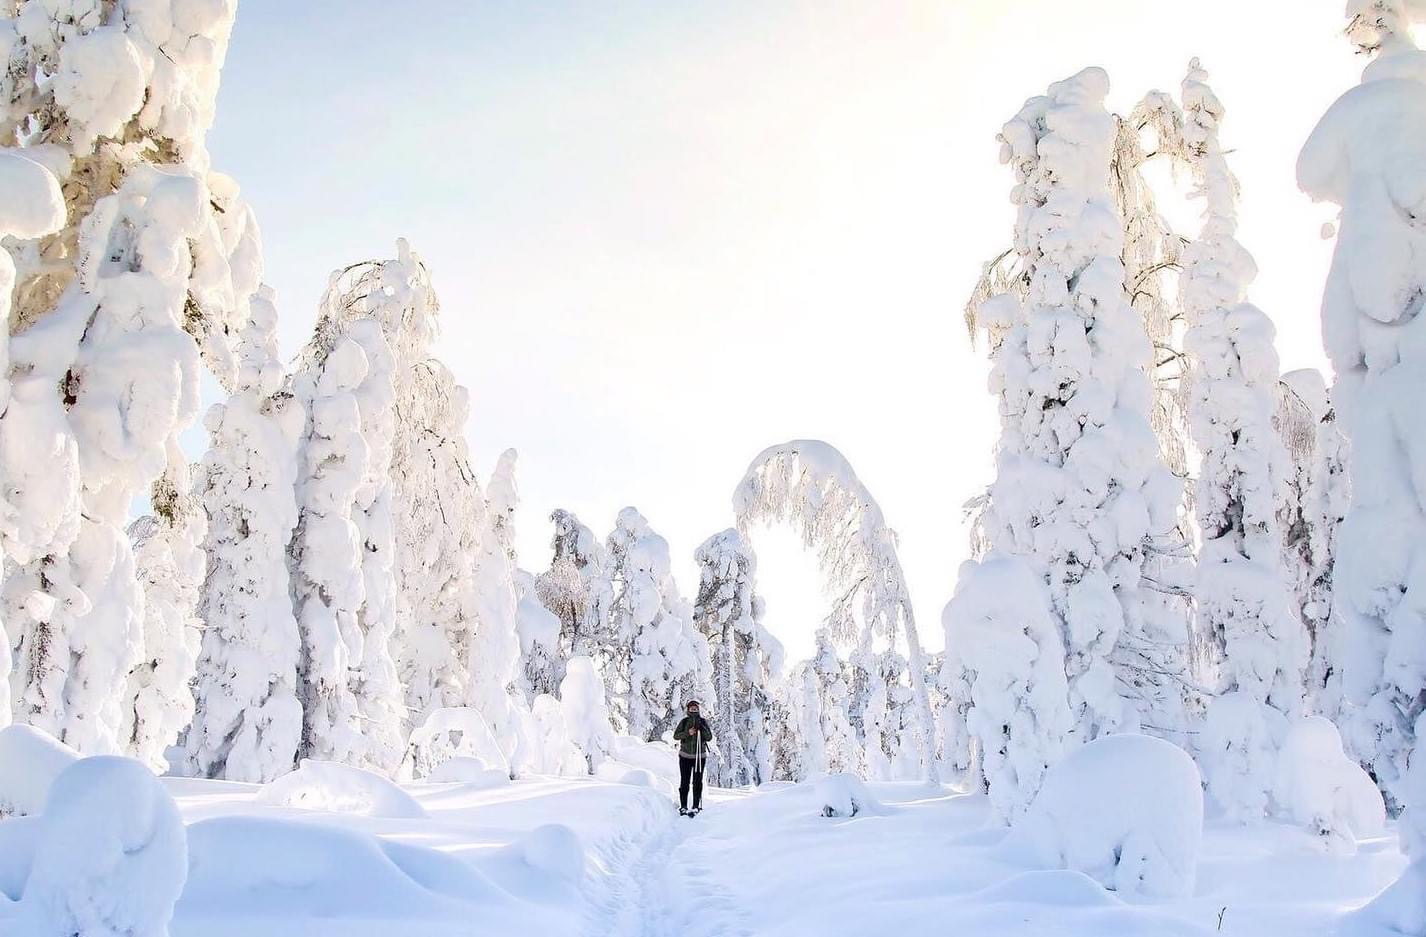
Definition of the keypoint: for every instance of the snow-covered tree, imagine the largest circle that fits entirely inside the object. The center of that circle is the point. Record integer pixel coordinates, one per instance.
(1081, 492)
(111, 315)
(168, 553)
(1244, 601)
(248, 721)
(575, 588)
(39, 510)
(659, 660)
(728, 613)
(809, 484)
(1317, 498)
(841, 751)
(1368, 155)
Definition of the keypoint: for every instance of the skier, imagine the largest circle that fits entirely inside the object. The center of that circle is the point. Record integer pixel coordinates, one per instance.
(692, 735)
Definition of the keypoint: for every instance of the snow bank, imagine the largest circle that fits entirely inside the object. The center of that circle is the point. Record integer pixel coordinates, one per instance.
(1127, 810)
(289, 869)
(30, 761)
(1321, 788)
(111, 856)
(555, 850)
(467, 770)
(327, 785)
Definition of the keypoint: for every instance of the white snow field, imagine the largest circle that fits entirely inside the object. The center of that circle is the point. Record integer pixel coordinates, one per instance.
(581, 856)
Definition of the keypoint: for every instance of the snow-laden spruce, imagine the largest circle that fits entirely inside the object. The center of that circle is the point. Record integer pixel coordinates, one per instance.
(111, 315)
(746, 658)
(1080, 489)
(1244, 602)
(247, 722)
(575, 590)
(810, 485)
(664, 661)
(1368, 155)
(1317, 499)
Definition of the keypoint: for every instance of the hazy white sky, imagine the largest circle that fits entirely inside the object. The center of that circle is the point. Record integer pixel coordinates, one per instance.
(667, 235)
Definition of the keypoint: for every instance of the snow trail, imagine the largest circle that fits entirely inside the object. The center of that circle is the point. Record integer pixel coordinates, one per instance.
(665, 886)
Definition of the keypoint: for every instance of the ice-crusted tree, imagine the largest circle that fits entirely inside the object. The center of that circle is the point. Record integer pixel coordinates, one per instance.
(810, 485)
(1244, 601)
(841, 750)
(1317, 498)
(1081, 492)
(1368, 156)
(247, 722)
(35, 519)
(746, 658)
(575, 588)
(112, 313)
(659, 660)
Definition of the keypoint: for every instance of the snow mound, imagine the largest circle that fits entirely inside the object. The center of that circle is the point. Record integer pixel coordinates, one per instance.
(19, 837)
(111, 855)
(289, 869)
(1060, 887)
(338, 788)
(1401, 908)
(1126, 810)
(654, 757)
(555, 850)
(30, 761)
(1321, 788)
(843, 795)
(468, 770)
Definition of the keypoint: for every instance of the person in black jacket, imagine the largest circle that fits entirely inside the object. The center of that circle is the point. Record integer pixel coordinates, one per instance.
(692, 735)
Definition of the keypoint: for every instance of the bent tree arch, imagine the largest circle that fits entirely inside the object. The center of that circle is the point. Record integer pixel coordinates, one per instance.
(808, 484)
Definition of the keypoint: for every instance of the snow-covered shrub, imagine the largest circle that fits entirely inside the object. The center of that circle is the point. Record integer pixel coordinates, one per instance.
(111, 857)
(1319, 787)
(843, 795)
(1007, 648)
(1081, 492)
(1244, 603)
(247, 722)
(809, 484)
(339, 788)
(728, 613)
(30, 761)
(586, 714)
(541, 666)
(1127, 810)
(557, 753)
(449, 733)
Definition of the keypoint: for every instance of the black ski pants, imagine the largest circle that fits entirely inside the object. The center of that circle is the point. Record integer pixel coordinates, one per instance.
(690, 769)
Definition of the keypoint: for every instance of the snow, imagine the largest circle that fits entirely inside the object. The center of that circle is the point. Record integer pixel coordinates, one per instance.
(30, 761)
(1126, 810)
(843, 795)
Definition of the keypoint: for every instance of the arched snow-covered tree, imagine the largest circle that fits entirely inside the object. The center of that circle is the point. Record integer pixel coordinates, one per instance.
(810, 485)
(1368, 155)
(1243, 596)
(248, 721)
(728, 613)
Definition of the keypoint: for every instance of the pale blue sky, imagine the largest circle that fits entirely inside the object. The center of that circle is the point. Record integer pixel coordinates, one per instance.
(667, 235)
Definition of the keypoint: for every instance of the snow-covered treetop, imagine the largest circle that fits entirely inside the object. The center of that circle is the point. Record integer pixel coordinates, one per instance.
(575, 543)
(1383, 25)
